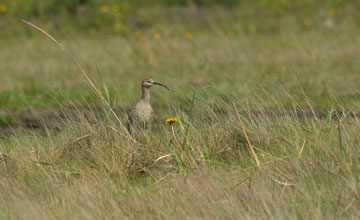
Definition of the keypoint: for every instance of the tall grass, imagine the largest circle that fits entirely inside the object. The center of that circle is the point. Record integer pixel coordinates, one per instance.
(95, 173)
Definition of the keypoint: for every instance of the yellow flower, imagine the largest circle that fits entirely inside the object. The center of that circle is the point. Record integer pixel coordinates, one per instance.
(3, 8)
(115, 8)
(167, 32)
(331, 13)
(157, 36)
(143, 40)
(155, 30)
(104, 9)
(171, 121)
(189, 36)
(138, 33)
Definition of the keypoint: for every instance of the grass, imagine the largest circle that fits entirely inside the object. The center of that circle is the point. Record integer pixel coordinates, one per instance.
(295, 89)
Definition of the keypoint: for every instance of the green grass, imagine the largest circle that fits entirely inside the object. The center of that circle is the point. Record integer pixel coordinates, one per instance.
(309, 162)
(40, 96)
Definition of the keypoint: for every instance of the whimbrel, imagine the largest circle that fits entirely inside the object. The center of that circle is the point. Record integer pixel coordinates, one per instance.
(142, 113)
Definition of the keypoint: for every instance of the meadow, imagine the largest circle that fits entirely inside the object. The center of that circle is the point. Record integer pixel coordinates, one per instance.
(267, 103)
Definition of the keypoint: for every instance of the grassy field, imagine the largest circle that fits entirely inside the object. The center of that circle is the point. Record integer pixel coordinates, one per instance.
(290, 82)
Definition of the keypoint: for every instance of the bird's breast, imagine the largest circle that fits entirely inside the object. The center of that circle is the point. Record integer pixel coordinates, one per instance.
(144, 112)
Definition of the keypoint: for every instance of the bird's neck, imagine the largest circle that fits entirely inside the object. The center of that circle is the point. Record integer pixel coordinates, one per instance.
(145, 94)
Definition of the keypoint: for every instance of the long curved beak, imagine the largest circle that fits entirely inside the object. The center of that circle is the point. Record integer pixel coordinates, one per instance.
(159, 84)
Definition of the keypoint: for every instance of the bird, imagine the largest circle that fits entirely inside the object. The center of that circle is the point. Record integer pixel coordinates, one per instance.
(142, 113)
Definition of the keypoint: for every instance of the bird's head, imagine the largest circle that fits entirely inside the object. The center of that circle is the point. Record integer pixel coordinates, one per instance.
(149, 82)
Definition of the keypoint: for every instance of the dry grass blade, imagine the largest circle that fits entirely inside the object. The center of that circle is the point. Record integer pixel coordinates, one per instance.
(284, 183)
(302, 148)
(162, 157)
(247, 138)
(84, 73)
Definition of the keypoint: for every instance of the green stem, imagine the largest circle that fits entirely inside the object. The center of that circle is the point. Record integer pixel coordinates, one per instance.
(182, 151)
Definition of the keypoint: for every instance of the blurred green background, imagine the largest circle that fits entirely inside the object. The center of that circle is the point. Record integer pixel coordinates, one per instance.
(127, 15)
(310, 44)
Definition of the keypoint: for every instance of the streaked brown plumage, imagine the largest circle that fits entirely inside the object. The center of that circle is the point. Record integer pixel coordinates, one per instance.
(142, 114)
